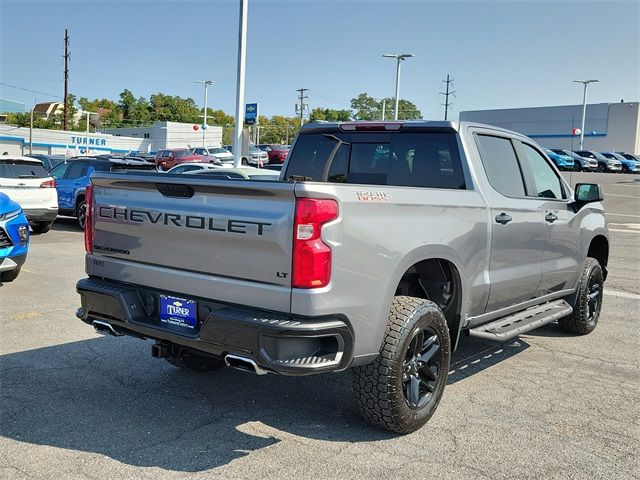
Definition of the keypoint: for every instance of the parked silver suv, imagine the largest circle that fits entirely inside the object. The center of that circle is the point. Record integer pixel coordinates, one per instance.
(379, 246)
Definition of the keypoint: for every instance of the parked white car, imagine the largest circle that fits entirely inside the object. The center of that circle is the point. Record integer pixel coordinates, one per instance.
(189, 167)
(27, 182)
(220, 153)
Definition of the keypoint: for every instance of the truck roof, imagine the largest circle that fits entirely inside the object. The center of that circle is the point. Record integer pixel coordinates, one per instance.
(392, 125)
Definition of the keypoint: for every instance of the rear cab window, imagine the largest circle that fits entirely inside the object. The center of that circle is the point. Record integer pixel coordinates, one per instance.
(14, 168)
(405, 158)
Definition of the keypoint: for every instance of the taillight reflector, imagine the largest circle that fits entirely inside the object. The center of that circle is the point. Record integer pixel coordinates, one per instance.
(48, 184)
(311, 256)
(88, 219)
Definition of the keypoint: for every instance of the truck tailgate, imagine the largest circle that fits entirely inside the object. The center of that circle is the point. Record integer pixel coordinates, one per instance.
(239, 232)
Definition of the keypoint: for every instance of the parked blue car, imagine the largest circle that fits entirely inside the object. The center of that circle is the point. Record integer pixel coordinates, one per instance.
(14, 238)
(563, 162)
(73, 176)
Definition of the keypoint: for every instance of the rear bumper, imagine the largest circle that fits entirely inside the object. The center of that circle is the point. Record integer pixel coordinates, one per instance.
(41, 214)
(277, 342)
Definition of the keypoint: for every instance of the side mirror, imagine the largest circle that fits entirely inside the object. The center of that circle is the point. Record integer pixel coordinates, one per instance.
(588, 192)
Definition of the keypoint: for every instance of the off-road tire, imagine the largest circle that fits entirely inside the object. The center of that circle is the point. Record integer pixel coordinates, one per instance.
(195, 362)
(378, 386)
(41, 227)
(9, 275)
(584, 318)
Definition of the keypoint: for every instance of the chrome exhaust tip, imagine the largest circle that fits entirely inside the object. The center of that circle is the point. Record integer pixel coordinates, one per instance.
(243, 363)
(105, 327)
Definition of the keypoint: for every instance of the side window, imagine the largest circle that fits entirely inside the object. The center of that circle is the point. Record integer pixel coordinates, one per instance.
(75, 170)
(501, 165)
(546, 182)
(59, 170)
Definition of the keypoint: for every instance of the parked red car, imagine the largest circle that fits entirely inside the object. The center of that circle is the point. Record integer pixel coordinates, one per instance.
(277, 153)
(165, 159)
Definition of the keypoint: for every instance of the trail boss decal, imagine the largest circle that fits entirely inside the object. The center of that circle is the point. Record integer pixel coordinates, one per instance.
(371, 196)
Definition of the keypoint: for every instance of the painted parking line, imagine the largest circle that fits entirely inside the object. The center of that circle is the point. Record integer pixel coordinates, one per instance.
(624, 230)
(621, 196)
(625, 185)
(622, 294)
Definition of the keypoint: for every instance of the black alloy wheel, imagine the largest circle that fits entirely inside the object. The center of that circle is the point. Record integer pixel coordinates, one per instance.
(421, 367)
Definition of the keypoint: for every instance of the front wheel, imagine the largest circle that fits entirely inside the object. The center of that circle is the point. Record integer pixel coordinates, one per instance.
(588, 303)
(9, 275)
(401, 389)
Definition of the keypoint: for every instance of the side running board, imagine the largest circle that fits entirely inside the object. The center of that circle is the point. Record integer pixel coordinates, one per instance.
(510, 327)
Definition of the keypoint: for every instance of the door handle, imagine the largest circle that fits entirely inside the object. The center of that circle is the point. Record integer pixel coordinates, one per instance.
(550, 217)
(503, 218)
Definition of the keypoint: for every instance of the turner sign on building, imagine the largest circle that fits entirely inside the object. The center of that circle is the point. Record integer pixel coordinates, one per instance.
(92, 141)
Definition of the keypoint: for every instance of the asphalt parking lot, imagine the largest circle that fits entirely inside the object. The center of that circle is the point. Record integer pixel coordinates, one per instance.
(76, 405)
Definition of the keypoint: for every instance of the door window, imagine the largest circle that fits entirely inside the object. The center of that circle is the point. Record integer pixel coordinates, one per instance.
(501, 165)
(75, 170)
(546, 183)
(59, 170)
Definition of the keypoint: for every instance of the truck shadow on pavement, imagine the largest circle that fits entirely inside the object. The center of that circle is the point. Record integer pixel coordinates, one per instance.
(108, 396)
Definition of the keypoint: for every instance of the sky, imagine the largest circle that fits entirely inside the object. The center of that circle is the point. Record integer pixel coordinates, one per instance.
(501, 54)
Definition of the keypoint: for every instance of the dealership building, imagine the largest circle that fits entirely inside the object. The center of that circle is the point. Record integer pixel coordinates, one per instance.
(609, 127)
(21, 140)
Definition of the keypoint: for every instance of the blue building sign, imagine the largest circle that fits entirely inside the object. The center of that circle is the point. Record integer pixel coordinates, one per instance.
(251, 113)
(92, 141)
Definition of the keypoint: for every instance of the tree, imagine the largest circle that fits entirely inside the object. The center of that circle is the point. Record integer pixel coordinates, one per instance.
(329, 115)
(406, 110)
(366, 107)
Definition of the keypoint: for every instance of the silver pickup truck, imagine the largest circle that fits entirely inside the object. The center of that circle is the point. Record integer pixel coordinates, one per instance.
(378, 247)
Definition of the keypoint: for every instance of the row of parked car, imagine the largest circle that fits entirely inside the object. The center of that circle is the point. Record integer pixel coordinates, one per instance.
(590, 160)
(258, 155)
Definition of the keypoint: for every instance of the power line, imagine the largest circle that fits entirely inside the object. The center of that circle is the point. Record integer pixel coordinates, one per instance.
(301, 108)
(446, 103)
(29, 90)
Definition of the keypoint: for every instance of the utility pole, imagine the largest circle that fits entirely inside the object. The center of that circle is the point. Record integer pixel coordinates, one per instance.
(384, 108)
(301, 107)
(584, 106)
(65, 124)
(446, 104)
(206, 84)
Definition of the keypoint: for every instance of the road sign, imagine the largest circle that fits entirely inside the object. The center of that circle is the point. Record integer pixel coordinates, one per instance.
(251, 113)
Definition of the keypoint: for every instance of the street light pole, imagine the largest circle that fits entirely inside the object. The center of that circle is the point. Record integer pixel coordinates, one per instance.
(584, 106)
(242, 60)
(399, 58)
(206, 84)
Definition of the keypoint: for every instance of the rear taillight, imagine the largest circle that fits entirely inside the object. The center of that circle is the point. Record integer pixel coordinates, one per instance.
(311, 256)
(88, 219)
(48, 184)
